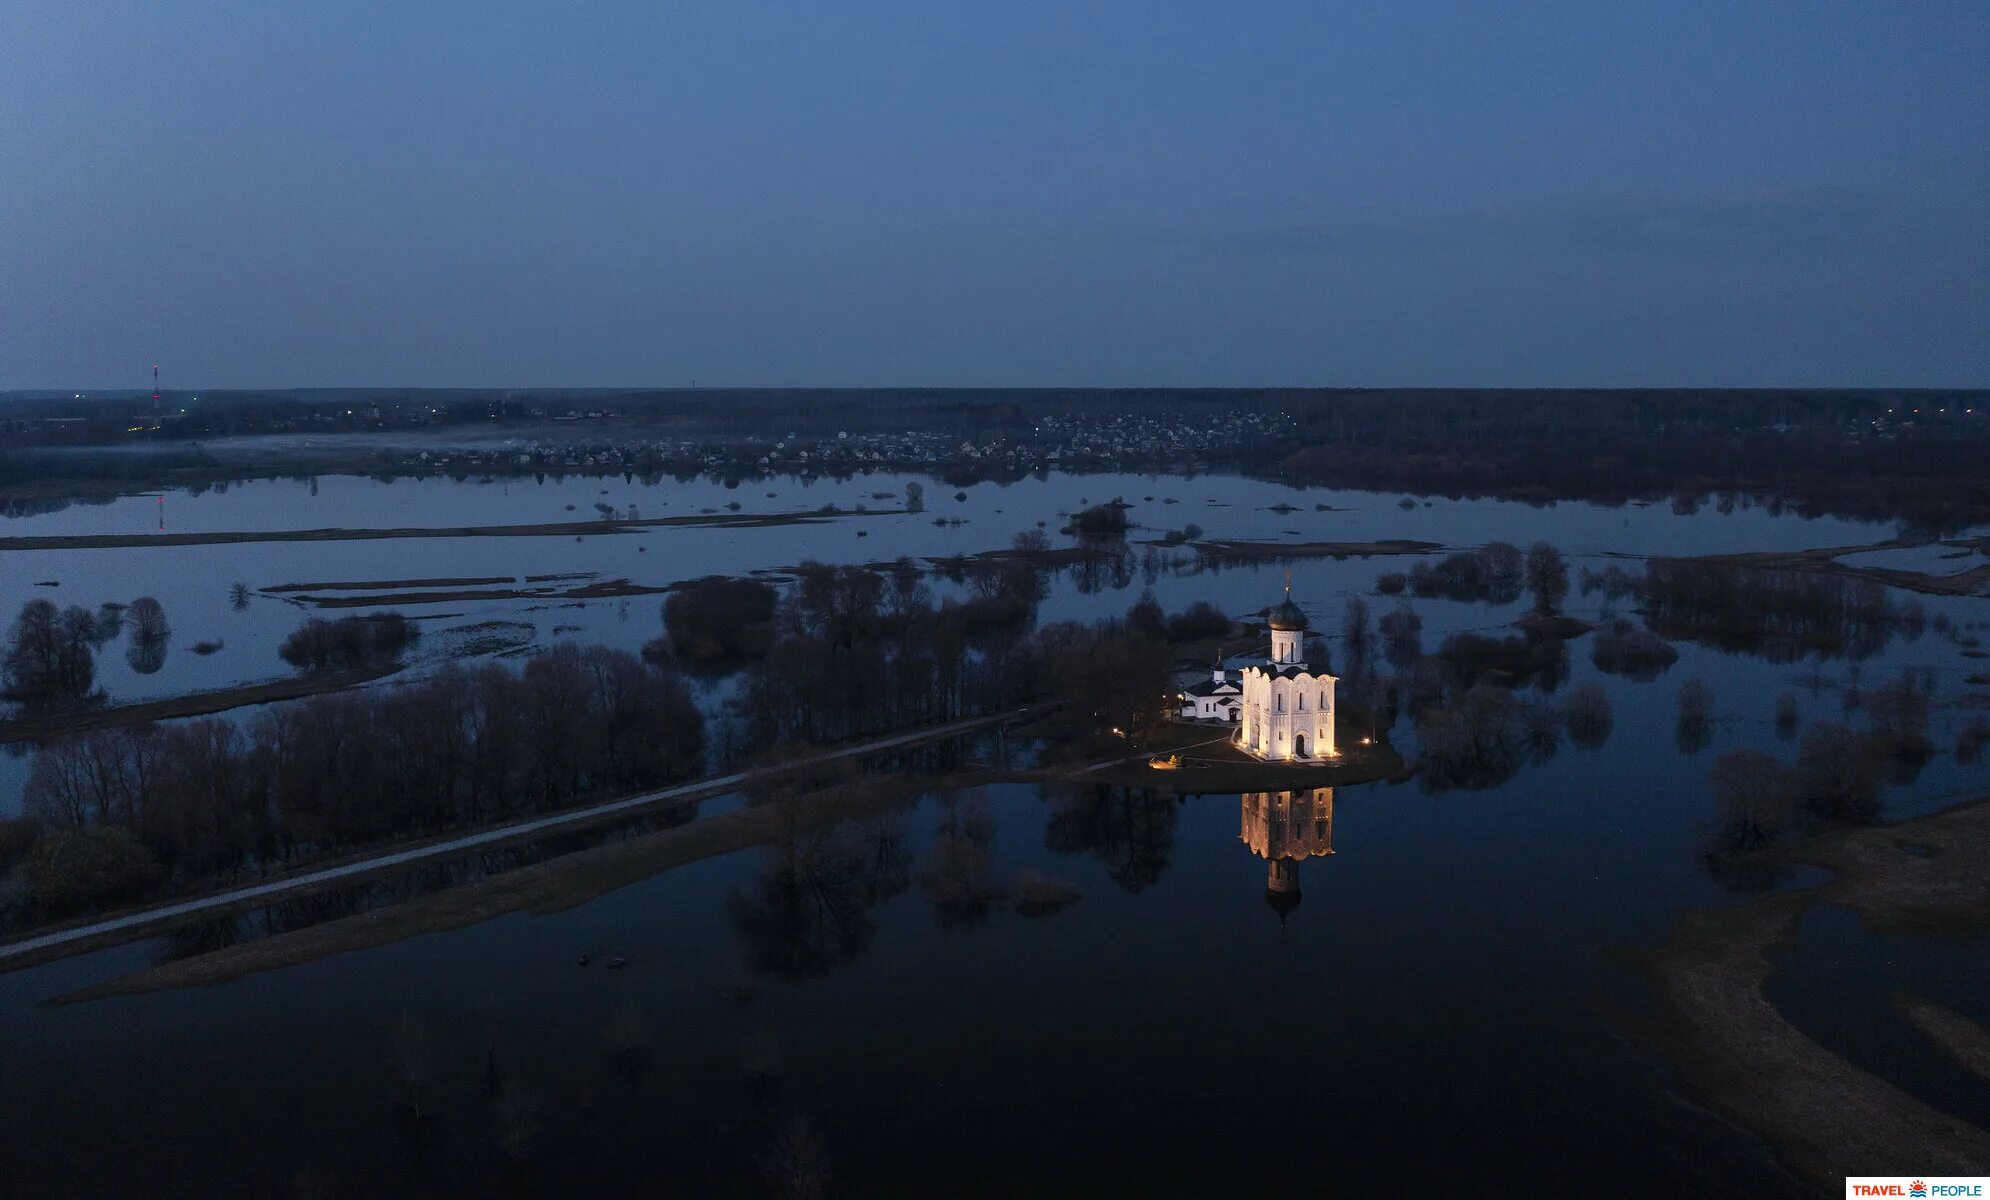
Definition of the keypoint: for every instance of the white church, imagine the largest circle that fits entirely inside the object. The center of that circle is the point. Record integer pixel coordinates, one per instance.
(1283, 709)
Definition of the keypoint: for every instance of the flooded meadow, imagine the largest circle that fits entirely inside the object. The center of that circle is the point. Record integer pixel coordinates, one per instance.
(1001, 978)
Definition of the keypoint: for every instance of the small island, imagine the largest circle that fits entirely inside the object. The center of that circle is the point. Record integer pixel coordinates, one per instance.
(1265, 720)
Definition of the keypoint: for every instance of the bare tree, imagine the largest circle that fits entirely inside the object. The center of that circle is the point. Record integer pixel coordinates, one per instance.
(148, 620)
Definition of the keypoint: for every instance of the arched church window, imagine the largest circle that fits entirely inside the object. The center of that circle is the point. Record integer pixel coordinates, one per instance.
(1278, 704)
(1302, 702)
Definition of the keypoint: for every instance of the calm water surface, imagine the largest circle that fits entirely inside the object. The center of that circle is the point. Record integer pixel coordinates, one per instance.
(1431, 1017)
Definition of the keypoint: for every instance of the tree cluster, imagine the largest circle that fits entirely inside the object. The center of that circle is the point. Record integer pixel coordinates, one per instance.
(719, 620)
(348, 643)
(207, 798)
(50, 663)
(1781, 615)
(1493, 573)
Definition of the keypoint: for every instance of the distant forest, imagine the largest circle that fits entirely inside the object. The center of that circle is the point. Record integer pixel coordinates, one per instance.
(1907, 453)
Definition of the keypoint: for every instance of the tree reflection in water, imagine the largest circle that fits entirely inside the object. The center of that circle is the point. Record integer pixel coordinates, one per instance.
(1131, 831)
(146, 654)
(956, 876)
(808, 913)
(887, 863)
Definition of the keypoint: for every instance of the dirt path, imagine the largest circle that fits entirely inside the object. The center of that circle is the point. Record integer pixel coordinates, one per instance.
(546, 887)
(125, 927)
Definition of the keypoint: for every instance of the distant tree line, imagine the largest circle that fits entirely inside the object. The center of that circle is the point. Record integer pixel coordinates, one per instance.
(1819, 451)
(1872, 453)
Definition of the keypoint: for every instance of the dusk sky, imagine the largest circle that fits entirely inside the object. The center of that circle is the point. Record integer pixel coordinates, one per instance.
(930, 193)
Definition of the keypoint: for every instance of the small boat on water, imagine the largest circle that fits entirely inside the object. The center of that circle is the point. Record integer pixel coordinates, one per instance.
(617, 963)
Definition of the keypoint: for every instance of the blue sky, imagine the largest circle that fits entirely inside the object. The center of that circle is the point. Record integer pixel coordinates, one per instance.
(937, 193)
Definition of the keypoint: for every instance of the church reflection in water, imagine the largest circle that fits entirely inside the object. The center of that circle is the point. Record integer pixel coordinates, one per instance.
(1286, 829)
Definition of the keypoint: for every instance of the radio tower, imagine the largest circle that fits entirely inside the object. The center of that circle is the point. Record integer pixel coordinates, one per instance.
(155, 391)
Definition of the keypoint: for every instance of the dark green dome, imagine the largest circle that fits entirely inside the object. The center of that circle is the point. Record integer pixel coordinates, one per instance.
(1287, 617)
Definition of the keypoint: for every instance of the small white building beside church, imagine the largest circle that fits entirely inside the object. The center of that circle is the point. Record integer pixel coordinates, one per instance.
(1217, 698)
(1287, 709)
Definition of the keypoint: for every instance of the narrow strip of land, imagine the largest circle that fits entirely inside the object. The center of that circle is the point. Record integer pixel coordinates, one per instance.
(129, 926)
(1827, 560)
(1245, 551)
(114, 541)
(194, 704)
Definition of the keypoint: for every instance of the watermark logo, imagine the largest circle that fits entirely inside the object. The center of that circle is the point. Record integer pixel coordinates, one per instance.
(1882, 1187)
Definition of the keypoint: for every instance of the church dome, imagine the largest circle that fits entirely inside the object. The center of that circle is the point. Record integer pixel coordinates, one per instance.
(1286, 617)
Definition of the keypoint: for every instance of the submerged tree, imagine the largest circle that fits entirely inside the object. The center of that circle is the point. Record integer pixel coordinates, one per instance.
(1834, 776)
(50, 661)
(1695, 726)
(348, 643)
(147, 618)
(1621, 648)
(1402, 636)
(1589, 717)
(1547, 577)
(1752, 790)
(806, 915)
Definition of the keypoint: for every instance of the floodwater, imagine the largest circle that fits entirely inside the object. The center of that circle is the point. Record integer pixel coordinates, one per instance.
(1433, 1016)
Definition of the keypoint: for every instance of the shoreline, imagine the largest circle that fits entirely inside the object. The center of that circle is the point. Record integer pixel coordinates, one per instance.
(1712, 1021)
(193, 704)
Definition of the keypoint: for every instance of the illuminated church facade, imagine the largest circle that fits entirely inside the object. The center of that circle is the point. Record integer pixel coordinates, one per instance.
(1286, 713)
